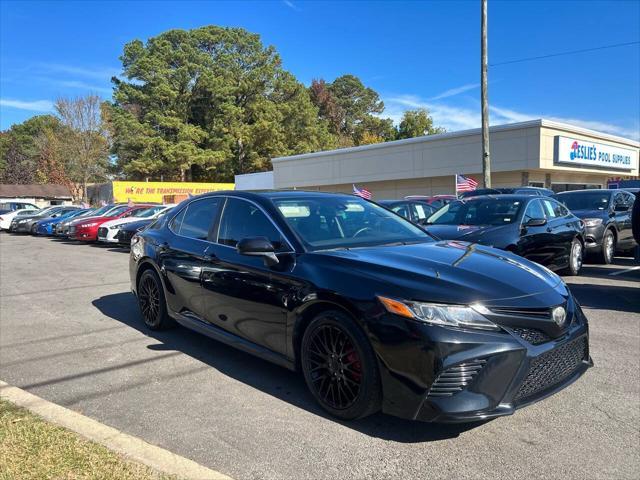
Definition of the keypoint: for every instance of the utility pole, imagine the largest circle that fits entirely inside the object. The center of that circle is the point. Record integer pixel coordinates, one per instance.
(486, 159)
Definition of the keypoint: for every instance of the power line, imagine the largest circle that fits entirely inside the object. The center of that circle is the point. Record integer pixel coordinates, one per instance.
(564, 53)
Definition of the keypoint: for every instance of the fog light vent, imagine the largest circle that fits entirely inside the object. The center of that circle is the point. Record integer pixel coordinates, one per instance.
(454, 379)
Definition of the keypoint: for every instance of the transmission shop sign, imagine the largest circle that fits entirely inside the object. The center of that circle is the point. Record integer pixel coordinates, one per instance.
(592, 154)
(124, 191)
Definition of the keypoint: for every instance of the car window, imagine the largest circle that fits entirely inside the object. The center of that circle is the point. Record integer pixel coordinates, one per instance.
(242, 219)
(549, 209)
(402, 209)
(558, 209)
(195, 220)
(534, 210)
(422, 212)
(478, 211)
(342, 222)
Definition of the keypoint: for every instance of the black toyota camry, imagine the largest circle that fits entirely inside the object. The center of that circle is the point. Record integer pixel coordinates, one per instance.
(374, 312)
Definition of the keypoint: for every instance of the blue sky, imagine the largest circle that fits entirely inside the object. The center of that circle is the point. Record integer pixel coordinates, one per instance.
(415, 54)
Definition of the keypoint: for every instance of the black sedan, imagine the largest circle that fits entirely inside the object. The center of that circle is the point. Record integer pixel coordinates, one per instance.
(537, 228)
(128, 230)
(607, 218)
(413, 210)
(375, 313)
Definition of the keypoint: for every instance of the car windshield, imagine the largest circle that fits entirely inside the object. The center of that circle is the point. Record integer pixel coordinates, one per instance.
(102, 210)
(342, 222)
(148, 212)
(481, 211)
(585, 201)
(115, 211)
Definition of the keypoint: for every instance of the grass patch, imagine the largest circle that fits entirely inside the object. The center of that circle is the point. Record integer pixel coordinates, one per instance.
(31, 448)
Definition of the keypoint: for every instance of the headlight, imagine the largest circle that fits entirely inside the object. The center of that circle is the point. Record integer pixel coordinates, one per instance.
(87, 225)
(592, 222)
(437, 314)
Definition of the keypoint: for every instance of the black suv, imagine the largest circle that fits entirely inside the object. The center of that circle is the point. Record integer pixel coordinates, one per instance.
(607, 218)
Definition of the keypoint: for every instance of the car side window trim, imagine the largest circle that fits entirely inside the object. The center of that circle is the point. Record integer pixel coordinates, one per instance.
(215, 239)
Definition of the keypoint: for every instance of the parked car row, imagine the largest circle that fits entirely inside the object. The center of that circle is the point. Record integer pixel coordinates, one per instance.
(554, 230)
(103, 224)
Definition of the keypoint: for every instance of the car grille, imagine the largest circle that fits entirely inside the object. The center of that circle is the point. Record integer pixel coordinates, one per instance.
(552, 367)
(72, 230)
(523, 312)
(454, 379)
(531, 335)
(102, 232)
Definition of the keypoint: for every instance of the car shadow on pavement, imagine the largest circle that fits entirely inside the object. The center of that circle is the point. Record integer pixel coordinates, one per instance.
(279, 382)
(607, 297)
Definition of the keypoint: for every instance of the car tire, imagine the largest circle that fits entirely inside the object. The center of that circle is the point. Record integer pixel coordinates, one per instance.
(608, 247)
(152, 302)
(576, 254)
(340, 367)
(34, 229)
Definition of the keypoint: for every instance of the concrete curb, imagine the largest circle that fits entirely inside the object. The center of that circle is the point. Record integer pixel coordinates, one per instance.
(132, 447)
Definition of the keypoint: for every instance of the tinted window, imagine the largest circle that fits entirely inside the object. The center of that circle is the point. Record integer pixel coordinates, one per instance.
(586, 201)
(534, 210)
(422, 211)
(196, 219)
(340, 221)
(242, 219)
(481, 211)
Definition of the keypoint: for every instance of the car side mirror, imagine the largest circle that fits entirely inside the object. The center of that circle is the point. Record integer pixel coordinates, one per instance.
(258, 247)
(536, 222)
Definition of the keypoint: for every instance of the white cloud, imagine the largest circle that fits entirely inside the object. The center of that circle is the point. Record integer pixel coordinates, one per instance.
(455, 118)
(82, 86)
(291, 5)
(33, 106)
(101, 73)
(456, 91)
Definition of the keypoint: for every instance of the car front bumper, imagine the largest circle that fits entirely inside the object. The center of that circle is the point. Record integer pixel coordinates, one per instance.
(593, 237)
(438, 374)
(107, 235)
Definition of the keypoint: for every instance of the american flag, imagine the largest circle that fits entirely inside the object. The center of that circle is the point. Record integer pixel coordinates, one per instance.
(362, 192)
(465, 184)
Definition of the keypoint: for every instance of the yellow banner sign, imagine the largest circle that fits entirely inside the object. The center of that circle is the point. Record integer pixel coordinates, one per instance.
(124, 191)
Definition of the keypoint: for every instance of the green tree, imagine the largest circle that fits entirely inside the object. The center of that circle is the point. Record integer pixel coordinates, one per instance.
(352, 111)
(416, 123)
(20, 149)
(207, 104)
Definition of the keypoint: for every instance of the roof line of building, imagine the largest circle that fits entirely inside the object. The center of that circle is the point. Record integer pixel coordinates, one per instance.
(540, 122)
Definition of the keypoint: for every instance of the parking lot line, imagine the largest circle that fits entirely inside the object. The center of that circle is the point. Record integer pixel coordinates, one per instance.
(626, 270)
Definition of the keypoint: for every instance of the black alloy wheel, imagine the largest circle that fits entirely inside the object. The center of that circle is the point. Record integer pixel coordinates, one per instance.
(339, 366)
(34, 229)
(152, 302)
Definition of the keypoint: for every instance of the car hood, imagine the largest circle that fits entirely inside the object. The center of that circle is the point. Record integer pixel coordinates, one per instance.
(451, 272)
(79, 221)
(462, 232)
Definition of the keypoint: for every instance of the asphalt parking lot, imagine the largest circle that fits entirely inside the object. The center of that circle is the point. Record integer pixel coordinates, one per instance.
(70, 333)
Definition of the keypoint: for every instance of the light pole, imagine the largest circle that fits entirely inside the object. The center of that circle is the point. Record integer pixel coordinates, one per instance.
(486, 159)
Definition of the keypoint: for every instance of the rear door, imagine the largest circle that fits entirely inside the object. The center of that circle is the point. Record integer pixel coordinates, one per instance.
(559, 236)
(181, 255)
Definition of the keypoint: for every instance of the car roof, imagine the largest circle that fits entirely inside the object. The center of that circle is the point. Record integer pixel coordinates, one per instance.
(506, 196)
(591, 190)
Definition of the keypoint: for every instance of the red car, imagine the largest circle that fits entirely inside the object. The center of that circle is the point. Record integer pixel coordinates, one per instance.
(86, 229)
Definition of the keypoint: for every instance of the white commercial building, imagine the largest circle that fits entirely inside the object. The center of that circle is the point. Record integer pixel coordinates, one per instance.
(538, 153)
